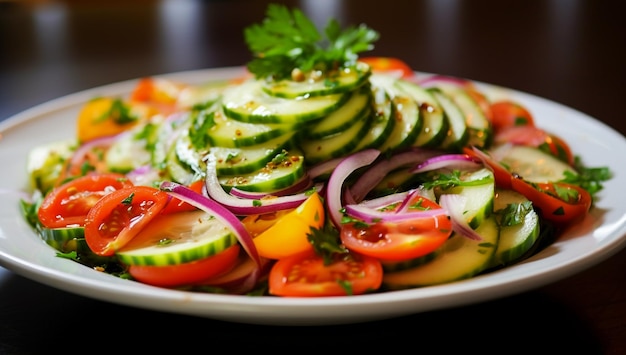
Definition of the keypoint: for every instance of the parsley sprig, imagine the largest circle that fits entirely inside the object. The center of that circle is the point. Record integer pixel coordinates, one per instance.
(287, 40)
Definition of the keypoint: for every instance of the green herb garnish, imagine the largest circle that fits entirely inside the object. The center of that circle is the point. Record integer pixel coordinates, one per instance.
(287, 40)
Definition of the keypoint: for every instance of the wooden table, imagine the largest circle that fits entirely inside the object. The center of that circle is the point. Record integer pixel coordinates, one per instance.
(570, 52)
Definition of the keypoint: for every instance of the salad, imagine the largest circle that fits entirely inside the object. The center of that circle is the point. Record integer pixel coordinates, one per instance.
(319, 172)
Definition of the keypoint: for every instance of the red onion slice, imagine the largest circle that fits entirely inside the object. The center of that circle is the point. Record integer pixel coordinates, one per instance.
(378, 171)
(371, 215)
(448, 161)
(334, 191)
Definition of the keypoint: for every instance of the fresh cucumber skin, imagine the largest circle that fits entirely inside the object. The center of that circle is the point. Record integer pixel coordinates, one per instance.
(339, 82)
(459, 259)
(231, 133)
(515, 241)
(267, 179)
(457, 135)
(535, 165)
(342, 118)
(246, 160)
(434, 126)
(251, 104)
(203, 236)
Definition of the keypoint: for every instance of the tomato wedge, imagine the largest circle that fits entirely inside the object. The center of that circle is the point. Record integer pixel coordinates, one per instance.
(118, 216)
(306, 275)
(547, 198)
(389, 64)
(507, 113)
(187, 273)
(404, 240)
(287, 235)
(69, 203)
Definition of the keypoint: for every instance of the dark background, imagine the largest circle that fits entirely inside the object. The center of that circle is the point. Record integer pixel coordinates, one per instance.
(567, 51)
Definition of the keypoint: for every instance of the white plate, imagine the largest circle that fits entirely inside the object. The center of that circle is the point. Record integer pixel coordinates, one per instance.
(595, 239)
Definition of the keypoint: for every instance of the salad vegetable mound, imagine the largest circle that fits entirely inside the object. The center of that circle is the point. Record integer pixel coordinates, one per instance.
(316, 172)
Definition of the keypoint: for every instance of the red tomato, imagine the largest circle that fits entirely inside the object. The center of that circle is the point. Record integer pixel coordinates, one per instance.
(69, 203)
(559, 148)
(387, 64)
(117, 217)
(507, 113)
(175, 205)
(399, 240)
(553, 208)
(538, 138)
(305, 275)
(187, 273)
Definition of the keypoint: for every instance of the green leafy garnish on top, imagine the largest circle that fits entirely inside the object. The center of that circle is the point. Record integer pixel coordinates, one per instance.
(287, 44)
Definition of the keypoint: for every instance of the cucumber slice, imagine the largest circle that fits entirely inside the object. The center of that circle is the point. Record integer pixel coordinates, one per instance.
(533, 164)
(382, 122)
(177, 238)
(479, 189)
(434, 125)
(338, 82)
(479, 126)
(234, 134)
(130, 149)
(516, 240)
(272, 177)
(249, 103)
(459, 258)
(177, 171)
(58, 238)
(344, 117)
(408, 122)
(458, 133)
(245, 160)
(319, 150)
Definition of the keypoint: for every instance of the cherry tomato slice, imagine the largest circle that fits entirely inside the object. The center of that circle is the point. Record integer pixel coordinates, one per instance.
(68, 204)
(395, 241)
(553, 208)
(507, 113)
(389, 64)
(306, 275)
(117, 217)
(187, 273)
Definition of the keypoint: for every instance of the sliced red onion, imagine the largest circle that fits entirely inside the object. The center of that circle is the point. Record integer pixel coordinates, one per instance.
(334, 192)
(244, 206)
(378, 171)
(438, 80)
(387, 200)
(455, 205)
(449, 161)
(83, 149)
(371, 215)
(323, 168)
(212, 207)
